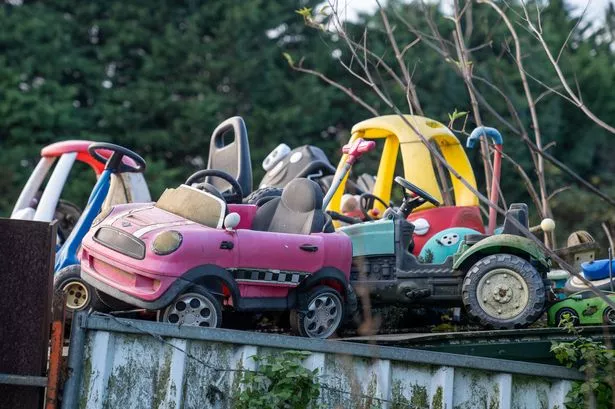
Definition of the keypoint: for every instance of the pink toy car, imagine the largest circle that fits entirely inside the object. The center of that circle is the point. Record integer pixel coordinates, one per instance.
(190, 255)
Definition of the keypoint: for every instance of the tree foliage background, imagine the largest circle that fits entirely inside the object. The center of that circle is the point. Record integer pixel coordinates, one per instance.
(158, 77)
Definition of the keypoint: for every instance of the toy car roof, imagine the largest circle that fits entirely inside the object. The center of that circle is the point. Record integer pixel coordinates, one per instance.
(80, 147)
(383, 126)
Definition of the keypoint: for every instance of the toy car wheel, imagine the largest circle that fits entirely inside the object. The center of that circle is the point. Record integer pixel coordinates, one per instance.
(196, 308)
(79, 294)
(609, 316)
(561, 315)
(504, 291)
(322, 314)
(262, 194)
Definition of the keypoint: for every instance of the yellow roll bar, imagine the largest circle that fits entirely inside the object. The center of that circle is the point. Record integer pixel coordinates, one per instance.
(417, 160)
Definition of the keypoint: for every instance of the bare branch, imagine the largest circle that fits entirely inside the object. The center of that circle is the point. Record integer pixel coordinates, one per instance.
(412, 44)
(410, 87)
(466, 70)
(549, 145)
(337, 85)
(531, 105)
(607, 231)
(544, 94)
(561, 50)
(575, 98)
(558, 191)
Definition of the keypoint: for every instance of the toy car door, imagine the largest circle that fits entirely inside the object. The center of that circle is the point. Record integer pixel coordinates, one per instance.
(272, 263)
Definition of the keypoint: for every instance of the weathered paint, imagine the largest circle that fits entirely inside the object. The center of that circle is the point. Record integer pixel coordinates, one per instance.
(368, 239)
(136, 364)
(501, 243)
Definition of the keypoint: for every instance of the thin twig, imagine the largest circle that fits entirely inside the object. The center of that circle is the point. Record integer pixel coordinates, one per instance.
(558, 191)
(337, 85)
(608, 235)
(410, 87)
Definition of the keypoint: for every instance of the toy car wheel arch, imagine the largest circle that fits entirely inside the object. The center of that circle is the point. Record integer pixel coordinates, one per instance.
(609, 316)
(504, 291)
(321, 315)
(79, 294)
(572, 315)
(197, 307)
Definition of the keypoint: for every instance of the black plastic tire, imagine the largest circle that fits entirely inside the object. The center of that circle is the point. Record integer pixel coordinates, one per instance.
(300, 319)
(205, 301)
(609, 316)
(559, 316)
(72, 275)
(499, 296)
(264, 192)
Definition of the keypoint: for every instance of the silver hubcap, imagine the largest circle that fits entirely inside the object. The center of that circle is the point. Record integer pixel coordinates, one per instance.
(502, 293)
(323, 316)
(77, 295)
(192, 309)
(610, 316)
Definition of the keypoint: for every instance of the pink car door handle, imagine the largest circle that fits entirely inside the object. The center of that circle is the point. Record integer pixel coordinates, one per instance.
(309, 247)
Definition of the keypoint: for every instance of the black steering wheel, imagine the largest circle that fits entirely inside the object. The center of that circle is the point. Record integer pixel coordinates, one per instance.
(236, 196)
(115, 162)
(366, 202)
(410, 203)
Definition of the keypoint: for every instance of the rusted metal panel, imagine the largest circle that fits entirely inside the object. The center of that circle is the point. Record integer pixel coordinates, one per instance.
(138, 364)
(26, 273)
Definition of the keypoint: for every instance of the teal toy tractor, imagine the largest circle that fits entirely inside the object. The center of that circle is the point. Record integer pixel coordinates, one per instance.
(499, 279)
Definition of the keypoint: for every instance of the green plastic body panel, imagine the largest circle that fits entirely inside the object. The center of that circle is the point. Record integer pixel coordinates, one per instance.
(371, 238)
(501, 243)
(590, 310)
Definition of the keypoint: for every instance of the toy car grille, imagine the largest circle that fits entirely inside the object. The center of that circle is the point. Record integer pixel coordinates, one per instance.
(121, 242)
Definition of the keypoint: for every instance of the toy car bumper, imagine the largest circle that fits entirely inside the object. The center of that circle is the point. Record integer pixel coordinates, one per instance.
(145, 291)
(159, 303)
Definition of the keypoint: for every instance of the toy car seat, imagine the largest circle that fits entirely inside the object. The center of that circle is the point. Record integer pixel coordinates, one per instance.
(518, 211)
(232, 157)
(297, 211)
(302, 162)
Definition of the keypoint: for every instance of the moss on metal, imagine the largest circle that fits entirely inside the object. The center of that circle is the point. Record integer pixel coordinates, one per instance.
(87, 376)
(437, 402)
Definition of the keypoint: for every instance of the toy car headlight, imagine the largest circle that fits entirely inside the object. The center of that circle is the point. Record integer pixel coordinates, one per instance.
(167, 242)
(102, 216)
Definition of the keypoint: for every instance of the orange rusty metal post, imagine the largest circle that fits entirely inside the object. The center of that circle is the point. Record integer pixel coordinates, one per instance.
(55, 350)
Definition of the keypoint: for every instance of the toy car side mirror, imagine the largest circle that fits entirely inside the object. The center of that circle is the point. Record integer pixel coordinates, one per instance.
(231, 221)
(576, 297)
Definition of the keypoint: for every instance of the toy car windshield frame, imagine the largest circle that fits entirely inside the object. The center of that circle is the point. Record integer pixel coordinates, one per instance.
(194, 204)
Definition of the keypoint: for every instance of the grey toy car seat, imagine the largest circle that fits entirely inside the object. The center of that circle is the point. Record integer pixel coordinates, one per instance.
(297, 211)
(232, 157)
(519, 212)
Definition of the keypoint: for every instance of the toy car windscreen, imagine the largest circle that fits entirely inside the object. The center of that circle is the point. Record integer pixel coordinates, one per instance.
(193, 204)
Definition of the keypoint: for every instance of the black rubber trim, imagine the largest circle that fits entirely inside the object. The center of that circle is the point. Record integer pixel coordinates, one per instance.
(263, 304)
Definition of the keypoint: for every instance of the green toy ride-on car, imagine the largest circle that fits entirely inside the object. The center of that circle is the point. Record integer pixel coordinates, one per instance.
(499, 279)
(583, 308)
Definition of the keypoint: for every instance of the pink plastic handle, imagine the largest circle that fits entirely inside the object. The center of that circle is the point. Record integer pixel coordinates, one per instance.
(357, 148)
